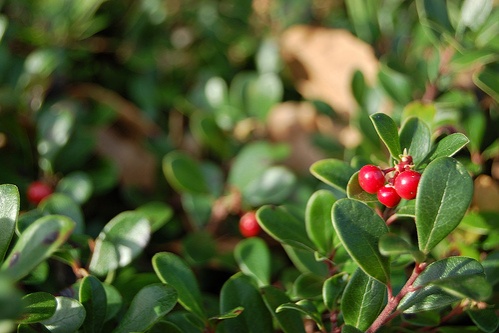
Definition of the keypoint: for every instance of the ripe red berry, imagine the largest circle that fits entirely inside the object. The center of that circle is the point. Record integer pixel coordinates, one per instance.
(37, 191)
(248, 225)
(406, 184)
(388, 196)
(371, 178)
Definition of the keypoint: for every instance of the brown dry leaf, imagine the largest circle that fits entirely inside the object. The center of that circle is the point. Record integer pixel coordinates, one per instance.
(486, 195)
(322, 62)
(137, 166)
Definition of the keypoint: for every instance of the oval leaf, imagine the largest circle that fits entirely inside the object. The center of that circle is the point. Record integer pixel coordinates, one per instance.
(332, 290)
(273, 186)
(77, 185)
(253, 257)
(448, 146)
(149, 305)
(9, 211)
(415, 136)
(61, 204)
(444, 194)
(36, 244)
(183, 173)
(318, 220)
(388, 132)
(362, 300)
(333, 172)
(173, 270)
(38, 306)
(93, 298)
(288, 321)
(68, 317)
(359, 229)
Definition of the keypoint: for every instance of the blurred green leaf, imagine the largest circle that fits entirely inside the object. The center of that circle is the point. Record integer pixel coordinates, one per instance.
(273, 186)
(183, 173)
(198, 207)
(392, 244)
(359, 228)
(92, 296)
(10, 299)
(388, 132)
(333, 172)
(216, 92)
(308, 286)
(486, 80)
(77, 185)
(240, 290)
(206, 130)
(425, 112)
(288, 321)
(486, 319)
(9, 211)
(38, 306)
(415, 136)
(253, 257)
(364, 16)
(433, 14)
(396, 85)
(158, 213)
(363, 300)
(122, 240)
(444, 194)
(475, 12)
(263, 93)
(199, 247)
(61, 204)
(114, 301)
(150, 304)
(68, 317)
(172, 270)
(36, 244)
(318, 221)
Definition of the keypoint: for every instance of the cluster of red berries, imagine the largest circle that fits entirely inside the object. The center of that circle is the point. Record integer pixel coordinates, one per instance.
(402, 184)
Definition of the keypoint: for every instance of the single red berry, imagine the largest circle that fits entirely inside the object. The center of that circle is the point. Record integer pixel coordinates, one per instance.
(406, 184)
(388, 196)
(248, 225)
(371, 178)
(37, 191)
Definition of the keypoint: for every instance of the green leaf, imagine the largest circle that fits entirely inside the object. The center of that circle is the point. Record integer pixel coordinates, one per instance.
(122, 240)
(183, 173)
(253, 257)
(364, 17)
(206, 130)
(9, 211)
(448, 146)
(433, 14)
(61, 204)
(32, 328)
(199, 247)
(425, 112)
(38, 306)
(10, 299)
(77, 185)
(233, 313)
(363, 300)
(332, 290)
(444, 282)
(114, 301)
(354, 191)
(305, 260)
(318, 221)
(273, 186)
(444, 194)
(415, 136)
(216, 92)
(359, 228)
(263, 93)
(392, 244)
(350, 329)
(396, 85)
(308, 285)
(36, 244)
(93, 298)
(333, 172)
(486, 319)
(283, 226)
(487, 81)
(240, 290)
(158, 213)
(150, 304)
(388, 132)
(288, 321)
(307, 308)
(172, 270)
(68, 317)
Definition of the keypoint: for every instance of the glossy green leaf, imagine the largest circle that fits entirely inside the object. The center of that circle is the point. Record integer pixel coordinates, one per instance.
(114, 301)
(253, 257)
(332, 290)
(122, 240)
(38, 306)
(150, 304)
(486, 319)
(354, 191)
(307, 308)
(362, 301)
(388, 132)
(392, 244)
(288, 321)
(241, 290)
(9, 210)
(308, 285)
(158, 213)
(444, 194)
(36, 244)
(396, 85)
(444, 282)
(93, 297)
(333, 172)
(171, 269)
(359, 228)
(318, 221)
(183, 173)
(448, 146)
(305, 260)
(68, 317)
(77, 185)
(415, 136)
(283, 226)
(61, 204)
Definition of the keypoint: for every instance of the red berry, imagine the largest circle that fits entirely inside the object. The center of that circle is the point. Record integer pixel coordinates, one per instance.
(371, 178)
(388, 196)
(406, 184)
(248, 225)
(37, 191)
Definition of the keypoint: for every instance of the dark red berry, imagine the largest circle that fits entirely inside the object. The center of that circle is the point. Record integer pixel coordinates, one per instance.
(388, 196)
(371, 178)
(37, 191)
(406, 184)
(248, 225)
